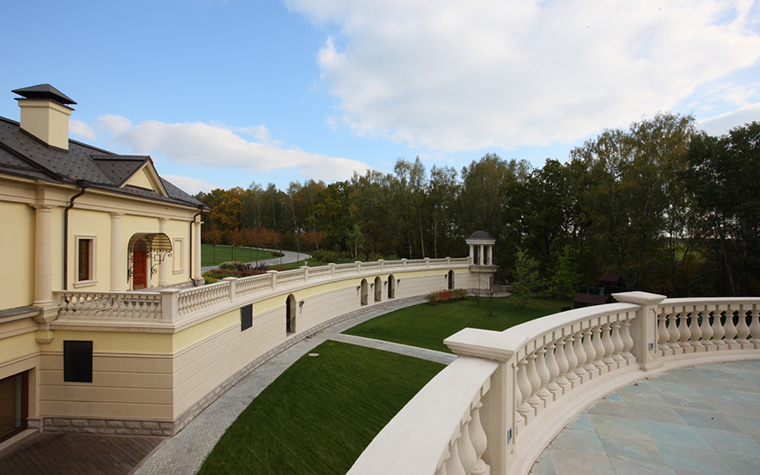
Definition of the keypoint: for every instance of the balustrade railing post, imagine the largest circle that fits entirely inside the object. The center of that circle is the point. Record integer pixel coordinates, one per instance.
(273, 276)
(358, 267)
(427, 262)
(232, 281)
(305, 273)
(382, 264)
(403, 263)
(498, 412)
(643, 327)
(169, 304)
(332, 269)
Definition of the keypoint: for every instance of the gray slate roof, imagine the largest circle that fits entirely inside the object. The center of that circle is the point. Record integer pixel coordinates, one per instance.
(25, 156)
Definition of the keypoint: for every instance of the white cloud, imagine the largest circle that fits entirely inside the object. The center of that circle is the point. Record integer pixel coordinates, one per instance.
(452, 75)
(189, 184)
(219, 146)
(80, 128)
(721, 124)
(114, 124)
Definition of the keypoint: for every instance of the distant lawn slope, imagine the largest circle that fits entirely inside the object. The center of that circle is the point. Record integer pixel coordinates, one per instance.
(321, 413)
(224, 254)
(426, 326)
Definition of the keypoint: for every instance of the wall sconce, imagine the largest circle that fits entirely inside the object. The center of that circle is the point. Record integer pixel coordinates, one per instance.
(398, 281)
(446, 277)
(358, 287)
(300, 304)
(371, 286)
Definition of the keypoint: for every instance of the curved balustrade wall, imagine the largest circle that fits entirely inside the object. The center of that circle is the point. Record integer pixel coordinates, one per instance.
(546, 372)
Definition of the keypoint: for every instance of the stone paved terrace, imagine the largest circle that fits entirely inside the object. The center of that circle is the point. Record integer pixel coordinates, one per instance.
(699, 420)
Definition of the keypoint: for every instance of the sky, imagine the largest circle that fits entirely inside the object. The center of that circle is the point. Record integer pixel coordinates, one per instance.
(229, 93)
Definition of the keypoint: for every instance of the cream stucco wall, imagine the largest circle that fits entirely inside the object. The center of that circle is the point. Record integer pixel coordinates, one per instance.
(17, 254)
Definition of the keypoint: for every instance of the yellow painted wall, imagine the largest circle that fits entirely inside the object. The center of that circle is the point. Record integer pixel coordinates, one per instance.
(17, 255)
(90, 223)
(140, 179)
(179, 229)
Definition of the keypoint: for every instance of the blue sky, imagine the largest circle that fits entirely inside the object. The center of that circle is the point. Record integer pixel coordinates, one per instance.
(226, 93)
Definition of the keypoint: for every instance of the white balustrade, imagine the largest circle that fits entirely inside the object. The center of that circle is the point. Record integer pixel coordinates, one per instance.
(109, 305)
(550, 365)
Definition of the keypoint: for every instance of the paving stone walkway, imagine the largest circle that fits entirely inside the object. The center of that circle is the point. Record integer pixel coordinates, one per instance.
(701, 420)
(185, 452)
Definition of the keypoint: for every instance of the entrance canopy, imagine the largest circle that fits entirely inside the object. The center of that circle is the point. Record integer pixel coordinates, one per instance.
(154, 241)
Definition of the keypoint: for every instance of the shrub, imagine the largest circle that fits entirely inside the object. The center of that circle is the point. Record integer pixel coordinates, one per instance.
(460, 294)
(432, 298)
(233, 265)
(209, 280)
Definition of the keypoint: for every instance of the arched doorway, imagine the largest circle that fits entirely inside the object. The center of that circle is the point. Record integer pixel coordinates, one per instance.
(391, 287)
(140, 265)
(364, 292)
(290, 315)
(378, 289)
(451, 280)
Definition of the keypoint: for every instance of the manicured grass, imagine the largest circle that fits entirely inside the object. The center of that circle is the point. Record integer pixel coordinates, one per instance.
(321, 413)
(224, 254)
(426, 326)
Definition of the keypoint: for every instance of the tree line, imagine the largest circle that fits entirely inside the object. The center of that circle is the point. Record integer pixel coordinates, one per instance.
(666, 206)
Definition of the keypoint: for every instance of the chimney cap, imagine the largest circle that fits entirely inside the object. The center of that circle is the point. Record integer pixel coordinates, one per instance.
(44, 91)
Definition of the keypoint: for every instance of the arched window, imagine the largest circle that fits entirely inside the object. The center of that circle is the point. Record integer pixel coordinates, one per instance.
(378, 289)
(391, 287)
(290, 315)
(451, 280)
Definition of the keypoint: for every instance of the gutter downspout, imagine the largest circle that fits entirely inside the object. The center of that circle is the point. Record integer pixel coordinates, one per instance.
(83, 184)
(200, 210)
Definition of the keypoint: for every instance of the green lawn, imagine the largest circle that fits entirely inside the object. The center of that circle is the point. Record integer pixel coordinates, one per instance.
(321, 413)
(426, 326)
(224, 254)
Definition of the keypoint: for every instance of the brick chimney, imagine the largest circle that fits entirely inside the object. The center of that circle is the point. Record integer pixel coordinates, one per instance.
(45, 114)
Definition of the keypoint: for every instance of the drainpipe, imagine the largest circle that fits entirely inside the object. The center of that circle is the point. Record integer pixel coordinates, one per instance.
(83, 184)
(200, 210)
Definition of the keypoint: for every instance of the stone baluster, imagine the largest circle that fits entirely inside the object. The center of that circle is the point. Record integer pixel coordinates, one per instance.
(600, 365)
(754, 328)
(662, 333)
(572, 361)
(453, 464)
(675, 335)
(523, 390)
(742, 329)
(580, 355)
(625, 333)
(588, 348)
(684, 338)
(730, 328)
(535, 383)
(617, 342)
(543, 373)
(467, 456)
(562, 365)
(609, 347)
(707, 332)
(553, 367)
(696, 332)
(718, 331)
(479, 441)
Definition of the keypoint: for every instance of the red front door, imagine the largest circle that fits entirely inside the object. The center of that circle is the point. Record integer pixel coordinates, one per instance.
(140, 269)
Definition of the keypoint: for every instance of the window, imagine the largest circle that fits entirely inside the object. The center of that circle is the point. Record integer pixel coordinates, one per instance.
(13, 405)
(178, 255)
(85, 261)
(77, 361)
